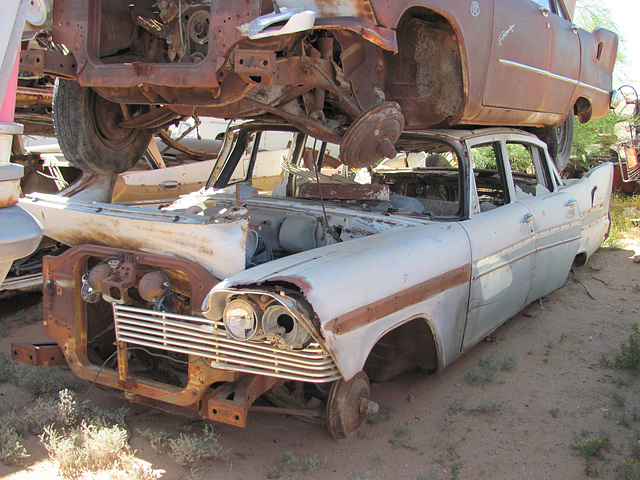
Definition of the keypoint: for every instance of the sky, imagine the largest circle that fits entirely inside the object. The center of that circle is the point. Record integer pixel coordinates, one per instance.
(626, 16)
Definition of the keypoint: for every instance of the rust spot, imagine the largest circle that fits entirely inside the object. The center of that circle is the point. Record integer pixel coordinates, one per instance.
(37, 354)
(8, 202)
(300, 282)
(254, 62)
(28, 97)
(363, 9)
(386, 306)
(344, 192)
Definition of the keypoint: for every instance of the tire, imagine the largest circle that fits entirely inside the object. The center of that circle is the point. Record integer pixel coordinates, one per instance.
(86, 126)
(559, 141)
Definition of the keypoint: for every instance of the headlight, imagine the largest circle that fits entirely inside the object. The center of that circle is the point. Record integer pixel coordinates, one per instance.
(241, 318)
(278, 321)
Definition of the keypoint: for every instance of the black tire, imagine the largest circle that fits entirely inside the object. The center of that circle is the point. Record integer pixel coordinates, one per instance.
(559, 141)
(86, 126)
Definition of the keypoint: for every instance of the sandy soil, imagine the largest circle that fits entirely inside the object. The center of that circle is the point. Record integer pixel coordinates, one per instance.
(523, 424)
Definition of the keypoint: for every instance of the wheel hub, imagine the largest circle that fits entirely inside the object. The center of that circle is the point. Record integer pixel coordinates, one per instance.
(372, 136)
(348, 405)
(108, 115)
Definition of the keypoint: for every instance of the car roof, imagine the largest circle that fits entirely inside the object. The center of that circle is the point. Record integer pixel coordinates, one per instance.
(467, 134)
(453, 134)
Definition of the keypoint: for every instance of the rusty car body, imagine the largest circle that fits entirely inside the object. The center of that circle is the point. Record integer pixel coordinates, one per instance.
(353, 72)
(324, 277)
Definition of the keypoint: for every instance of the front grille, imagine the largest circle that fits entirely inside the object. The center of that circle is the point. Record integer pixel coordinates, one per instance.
(207, 338)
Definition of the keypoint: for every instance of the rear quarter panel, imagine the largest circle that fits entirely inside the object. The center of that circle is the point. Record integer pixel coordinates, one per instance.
(598, 55)
(593, 194)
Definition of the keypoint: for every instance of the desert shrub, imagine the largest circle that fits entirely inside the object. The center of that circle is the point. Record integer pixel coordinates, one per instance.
(11, 449)
(63, 411)
(92, 448)
(487, 369)
(188, 450)
(591, 448)
(629, 356)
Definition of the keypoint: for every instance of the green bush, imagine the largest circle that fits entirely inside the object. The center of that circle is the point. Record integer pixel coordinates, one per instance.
(629, 356)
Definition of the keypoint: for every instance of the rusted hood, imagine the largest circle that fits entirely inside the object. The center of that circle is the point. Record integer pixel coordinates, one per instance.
(219, 246)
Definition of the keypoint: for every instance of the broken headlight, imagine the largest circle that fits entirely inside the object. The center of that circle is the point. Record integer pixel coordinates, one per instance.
(277, 322)
(262, 317)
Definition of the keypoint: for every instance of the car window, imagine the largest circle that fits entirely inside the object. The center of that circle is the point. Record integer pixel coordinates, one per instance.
(542, 3)
(490, 181)
(558, 7)
(424, 178)
(260, 163)
(530, 175)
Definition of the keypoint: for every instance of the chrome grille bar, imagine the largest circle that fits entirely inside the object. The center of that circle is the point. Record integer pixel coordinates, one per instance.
(206, 338)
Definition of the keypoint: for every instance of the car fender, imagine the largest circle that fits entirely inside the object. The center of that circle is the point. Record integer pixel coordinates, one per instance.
(361, 289)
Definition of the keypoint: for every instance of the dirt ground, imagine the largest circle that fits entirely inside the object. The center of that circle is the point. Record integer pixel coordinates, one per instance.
(524, 424)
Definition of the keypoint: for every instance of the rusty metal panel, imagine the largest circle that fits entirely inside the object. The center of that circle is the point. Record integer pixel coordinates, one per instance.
(254, 62)
(66, 322)
(37, 354)
(344, 192)
(599, 49)
(187, 236)
(230, 403)
(24, 284)
(27, 97)
(48, 62)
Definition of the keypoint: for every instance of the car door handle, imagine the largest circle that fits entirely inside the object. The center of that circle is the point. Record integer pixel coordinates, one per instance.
(527, 218)
(169, 184)
(571, 203)
(545, 11)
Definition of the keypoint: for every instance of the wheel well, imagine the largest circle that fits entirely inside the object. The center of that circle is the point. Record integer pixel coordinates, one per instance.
(583, 109)
(426, 75)
(407, 347)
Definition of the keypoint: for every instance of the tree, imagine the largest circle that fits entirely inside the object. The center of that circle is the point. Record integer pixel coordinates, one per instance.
(594, 140)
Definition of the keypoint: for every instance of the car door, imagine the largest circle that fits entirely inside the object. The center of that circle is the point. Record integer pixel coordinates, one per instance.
(554, 215)
(520, 51)
(502, 244)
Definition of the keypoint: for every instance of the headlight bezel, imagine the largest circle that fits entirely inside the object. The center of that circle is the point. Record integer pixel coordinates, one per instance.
(233, 325)
(294, 336)
(296, 333)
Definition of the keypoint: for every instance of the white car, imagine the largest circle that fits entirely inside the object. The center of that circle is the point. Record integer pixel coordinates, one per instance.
(317, 281)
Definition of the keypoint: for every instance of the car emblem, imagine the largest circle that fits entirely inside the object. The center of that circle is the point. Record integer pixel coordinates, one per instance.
(475, 9)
